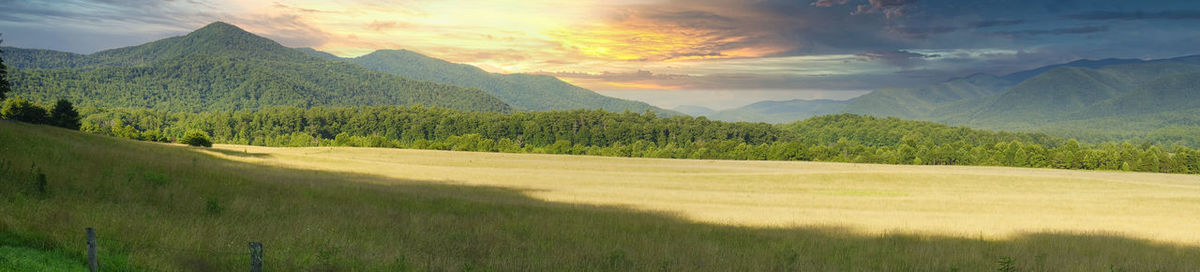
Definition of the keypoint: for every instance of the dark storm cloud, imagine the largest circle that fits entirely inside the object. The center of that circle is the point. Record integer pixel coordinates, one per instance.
(901, 33)
(921, 41)
(1137, 15)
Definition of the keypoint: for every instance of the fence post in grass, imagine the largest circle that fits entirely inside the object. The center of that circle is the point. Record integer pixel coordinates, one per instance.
(255, 257)
(93, 265)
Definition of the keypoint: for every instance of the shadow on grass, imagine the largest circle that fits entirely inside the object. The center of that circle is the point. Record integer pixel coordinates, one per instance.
(234, 153)
(329, 221)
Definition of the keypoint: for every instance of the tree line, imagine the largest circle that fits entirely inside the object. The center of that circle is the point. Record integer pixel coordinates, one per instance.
(835, 138)
(838, 138)
(63, 113)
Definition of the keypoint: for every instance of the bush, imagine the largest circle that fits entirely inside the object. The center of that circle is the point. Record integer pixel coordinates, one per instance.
(21, 110)
(196, 138)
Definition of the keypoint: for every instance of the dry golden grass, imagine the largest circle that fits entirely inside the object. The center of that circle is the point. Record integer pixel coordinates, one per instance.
(989, 202)
(160, 207)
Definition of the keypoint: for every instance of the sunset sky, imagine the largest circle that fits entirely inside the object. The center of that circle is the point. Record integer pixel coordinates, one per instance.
(716, 53)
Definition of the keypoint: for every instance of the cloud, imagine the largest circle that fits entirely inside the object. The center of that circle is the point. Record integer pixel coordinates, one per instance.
(899, 58)
(828, 3)
(1056, 31)
(992, 23)
(287, 29)
(378, 26)
(1137, 15)
(922, 32)
(890, 8)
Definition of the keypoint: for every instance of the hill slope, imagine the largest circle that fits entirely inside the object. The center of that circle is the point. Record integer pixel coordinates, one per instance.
(533, 92)
(694, 110)
(1092, 100)
(145, 200)
(919, 102)
(221, 67)
(778, 111)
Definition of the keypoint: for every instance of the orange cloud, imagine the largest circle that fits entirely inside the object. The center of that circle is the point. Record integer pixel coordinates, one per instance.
(642, 38)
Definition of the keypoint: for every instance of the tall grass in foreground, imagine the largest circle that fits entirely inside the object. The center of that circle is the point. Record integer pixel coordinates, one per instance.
(168, 208)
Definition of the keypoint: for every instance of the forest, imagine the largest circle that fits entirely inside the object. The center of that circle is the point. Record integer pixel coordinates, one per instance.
(832, 138)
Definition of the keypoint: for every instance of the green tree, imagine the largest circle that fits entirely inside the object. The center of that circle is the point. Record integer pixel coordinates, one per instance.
(196, 138)
(21, 110)
(4, 86)
(64, 115)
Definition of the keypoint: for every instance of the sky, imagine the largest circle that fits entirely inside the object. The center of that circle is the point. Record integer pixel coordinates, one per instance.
(714, 53)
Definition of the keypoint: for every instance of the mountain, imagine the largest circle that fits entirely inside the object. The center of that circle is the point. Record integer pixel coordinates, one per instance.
(1077, 93)
(222, 67)
(919, 102)
(1047, 96)
(1023, 75)
(1107, 100)
(526, 91)
(778, 111)
(694, 110)
(1169, 93)
(319, 54)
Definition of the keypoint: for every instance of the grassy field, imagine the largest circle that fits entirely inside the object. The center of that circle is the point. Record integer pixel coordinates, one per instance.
(172, 208)
(991, 202)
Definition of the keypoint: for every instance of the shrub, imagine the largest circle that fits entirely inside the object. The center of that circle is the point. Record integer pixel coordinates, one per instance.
(21, 110)
(196, 138)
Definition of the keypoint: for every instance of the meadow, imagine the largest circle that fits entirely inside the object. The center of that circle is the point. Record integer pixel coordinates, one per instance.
(992, 202)
(161, 207)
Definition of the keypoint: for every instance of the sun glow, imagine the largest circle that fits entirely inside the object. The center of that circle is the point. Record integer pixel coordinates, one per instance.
(505, 36)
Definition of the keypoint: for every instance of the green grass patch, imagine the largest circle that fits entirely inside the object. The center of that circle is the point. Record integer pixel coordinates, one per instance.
(205, 211)
(28, 259)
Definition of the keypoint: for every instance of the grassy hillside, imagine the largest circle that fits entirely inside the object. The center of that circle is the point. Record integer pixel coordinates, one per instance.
(171, 208)
(221, 67)
(534, 92)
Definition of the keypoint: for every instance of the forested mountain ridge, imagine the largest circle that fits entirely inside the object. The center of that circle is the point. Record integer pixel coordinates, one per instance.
(1023, 75)
(525, 91)
(1079, 93)
(771, 111)
(918, 102)
(693, 110)
(222, 67)
(1092, 100)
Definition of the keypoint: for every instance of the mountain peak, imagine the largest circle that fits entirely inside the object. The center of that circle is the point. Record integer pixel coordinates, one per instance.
(219, 25)
(222, 29)
(217, 39)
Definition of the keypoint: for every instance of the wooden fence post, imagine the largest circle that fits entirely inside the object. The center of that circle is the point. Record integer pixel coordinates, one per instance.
(93, 265)
(256, 257)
